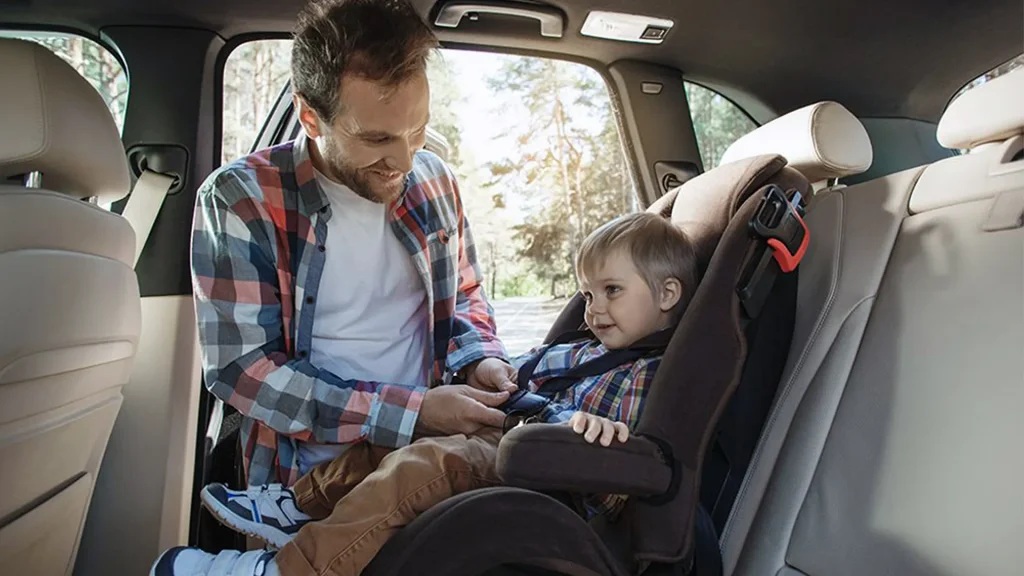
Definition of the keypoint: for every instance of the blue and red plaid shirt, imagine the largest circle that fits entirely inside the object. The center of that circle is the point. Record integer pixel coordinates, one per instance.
(617, 394)
(257, 257)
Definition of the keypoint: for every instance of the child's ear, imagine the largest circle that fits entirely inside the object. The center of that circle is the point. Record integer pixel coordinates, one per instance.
(671, 292)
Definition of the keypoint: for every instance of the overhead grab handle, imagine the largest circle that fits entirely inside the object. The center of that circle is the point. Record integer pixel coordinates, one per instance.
(551, 19)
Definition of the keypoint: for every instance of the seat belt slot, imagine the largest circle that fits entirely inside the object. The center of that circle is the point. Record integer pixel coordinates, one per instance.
(780, 225)
(777, 221)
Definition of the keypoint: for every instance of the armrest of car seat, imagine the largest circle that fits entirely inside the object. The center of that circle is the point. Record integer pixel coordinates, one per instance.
(553, 457)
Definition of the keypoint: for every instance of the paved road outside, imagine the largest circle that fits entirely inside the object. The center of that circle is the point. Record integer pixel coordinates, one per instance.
(524, 321)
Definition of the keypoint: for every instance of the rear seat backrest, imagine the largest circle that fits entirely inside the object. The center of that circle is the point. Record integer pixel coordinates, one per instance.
(894, 445)
(69, 305)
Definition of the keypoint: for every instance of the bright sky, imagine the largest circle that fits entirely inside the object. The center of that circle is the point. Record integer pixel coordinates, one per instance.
(483, 119)
(478, 117)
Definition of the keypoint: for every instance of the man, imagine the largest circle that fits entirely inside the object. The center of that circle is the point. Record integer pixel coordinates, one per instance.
(335, 276)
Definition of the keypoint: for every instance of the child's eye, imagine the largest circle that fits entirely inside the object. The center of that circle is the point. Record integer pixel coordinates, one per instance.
(612, 290)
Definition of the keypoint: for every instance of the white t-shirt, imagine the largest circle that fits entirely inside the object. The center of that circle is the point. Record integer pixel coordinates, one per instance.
(370, 320)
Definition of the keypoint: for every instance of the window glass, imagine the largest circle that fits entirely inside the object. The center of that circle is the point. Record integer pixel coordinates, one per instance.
(254, 75)
(534, 143)
(92, 61)
(536, 146)
(717, 122)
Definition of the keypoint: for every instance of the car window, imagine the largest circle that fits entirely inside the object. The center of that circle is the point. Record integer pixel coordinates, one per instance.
(255, 73)
(716, 121)
(534, 143)
(93, 61)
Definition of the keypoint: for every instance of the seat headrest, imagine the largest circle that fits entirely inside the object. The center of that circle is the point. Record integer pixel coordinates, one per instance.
(703, 207)
(54, 122)
(821, 141)
(992, 112)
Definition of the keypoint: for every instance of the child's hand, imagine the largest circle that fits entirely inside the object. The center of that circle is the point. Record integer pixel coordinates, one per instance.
(593, 426)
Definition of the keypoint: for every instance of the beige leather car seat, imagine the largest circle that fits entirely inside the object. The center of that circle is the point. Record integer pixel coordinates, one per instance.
(894, 446)
(69, 304)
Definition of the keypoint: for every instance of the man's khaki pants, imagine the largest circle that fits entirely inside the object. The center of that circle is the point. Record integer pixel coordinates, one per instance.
(363, 497)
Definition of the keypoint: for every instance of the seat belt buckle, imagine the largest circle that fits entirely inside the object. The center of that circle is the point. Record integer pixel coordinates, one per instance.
(778, 222)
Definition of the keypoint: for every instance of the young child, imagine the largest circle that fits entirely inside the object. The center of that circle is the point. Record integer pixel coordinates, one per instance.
(636, 273)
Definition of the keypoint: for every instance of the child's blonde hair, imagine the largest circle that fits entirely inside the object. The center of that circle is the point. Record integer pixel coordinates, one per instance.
(658, 249)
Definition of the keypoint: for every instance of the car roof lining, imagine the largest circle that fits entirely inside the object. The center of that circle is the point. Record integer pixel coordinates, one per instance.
(880, 58)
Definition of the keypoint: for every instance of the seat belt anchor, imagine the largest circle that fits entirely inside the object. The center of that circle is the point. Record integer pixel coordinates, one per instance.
(778, 222)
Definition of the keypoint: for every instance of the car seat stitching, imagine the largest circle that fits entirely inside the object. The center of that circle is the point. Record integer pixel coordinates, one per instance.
(797, 370)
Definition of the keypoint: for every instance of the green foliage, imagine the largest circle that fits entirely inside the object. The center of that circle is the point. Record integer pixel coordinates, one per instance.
(445, 101)
(717, 122)
(567, 169)
(255, 73)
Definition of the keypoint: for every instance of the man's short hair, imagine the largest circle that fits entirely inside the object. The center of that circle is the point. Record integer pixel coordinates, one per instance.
(658, 249)
(385, 41)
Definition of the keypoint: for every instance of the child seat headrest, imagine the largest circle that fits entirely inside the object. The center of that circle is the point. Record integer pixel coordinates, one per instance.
(703, 206)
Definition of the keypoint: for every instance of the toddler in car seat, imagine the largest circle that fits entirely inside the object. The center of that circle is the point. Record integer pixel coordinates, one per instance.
(636, 275)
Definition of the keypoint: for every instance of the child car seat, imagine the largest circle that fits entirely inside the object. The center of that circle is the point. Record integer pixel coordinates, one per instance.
(734, 337)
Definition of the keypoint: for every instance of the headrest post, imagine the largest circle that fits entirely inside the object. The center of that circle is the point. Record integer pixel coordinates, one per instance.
(34, 179)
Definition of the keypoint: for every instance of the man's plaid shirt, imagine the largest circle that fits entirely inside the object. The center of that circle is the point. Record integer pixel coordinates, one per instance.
(257, 257)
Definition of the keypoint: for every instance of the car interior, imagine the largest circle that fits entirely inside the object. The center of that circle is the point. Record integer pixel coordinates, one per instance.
(868, 423)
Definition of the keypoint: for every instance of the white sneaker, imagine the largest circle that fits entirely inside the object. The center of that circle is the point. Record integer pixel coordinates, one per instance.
(268, 513)
(183, 561)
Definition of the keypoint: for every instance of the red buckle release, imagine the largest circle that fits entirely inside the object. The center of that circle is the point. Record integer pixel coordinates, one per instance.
(788, 261)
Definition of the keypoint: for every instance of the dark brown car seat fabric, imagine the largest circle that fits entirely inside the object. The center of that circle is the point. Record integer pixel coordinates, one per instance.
(703, 366)
(661, 466)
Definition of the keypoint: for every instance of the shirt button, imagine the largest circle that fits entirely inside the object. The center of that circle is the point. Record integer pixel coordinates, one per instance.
(310, 299)
(322, 248)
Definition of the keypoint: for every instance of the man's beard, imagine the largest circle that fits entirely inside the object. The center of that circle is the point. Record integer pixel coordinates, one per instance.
(358, 180)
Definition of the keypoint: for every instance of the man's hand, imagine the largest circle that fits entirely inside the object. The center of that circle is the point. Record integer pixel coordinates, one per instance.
(492, 374)
(458, 409)
(593, 426)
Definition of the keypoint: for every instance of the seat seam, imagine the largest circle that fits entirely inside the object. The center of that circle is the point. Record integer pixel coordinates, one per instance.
(45, 144)
(853, 365)
(797, 370)
(842, 192)
(58, 196)
(832, 418)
